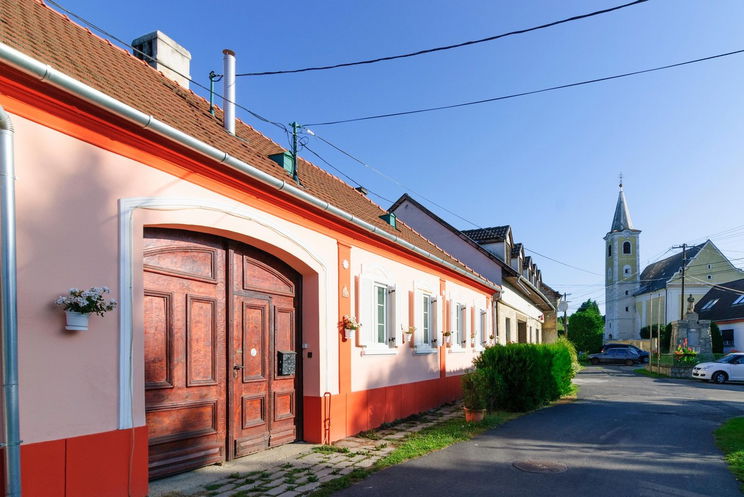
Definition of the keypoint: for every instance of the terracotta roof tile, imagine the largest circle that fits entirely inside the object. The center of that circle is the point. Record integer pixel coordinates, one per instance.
(44, 34)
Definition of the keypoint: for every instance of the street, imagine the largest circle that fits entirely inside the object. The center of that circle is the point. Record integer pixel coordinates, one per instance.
(626, 435)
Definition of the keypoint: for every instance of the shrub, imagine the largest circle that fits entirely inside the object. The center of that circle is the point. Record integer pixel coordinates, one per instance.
(521, 377)
(475, 389)
(716, 339)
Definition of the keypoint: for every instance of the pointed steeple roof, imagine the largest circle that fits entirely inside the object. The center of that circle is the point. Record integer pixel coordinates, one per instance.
(621, 221)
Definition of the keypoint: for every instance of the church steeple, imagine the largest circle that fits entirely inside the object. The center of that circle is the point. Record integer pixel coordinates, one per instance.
(621, 221)
(623, 273)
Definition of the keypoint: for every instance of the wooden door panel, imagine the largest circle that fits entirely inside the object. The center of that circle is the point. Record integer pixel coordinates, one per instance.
(252, 352)
(158, 340)
(201, 341)
(250, 340)
(185, 301)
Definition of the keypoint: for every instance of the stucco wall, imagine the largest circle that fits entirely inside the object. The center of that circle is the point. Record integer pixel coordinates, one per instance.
(67, 200)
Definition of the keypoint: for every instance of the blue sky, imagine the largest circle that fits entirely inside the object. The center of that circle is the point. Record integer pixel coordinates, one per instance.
(545, 164)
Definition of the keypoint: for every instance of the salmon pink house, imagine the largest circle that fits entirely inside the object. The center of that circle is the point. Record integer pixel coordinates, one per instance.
(259, 302)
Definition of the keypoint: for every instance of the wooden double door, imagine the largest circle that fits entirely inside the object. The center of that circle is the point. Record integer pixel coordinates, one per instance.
(222, 365)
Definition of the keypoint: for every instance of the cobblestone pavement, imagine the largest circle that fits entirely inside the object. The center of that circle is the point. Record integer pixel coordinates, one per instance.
(306, 467)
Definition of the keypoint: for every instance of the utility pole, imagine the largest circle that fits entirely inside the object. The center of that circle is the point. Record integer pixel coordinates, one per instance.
(682, 296)
(294, 150)
(563, 306)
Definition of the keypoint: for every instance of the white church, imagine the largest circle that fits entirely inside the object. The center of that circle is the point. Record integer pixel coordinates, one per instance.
(653, 297)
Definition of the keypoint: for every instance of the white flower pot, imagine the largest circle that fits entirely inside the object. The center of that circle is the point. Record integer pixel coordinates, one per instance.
(349, 333)
(76, 321)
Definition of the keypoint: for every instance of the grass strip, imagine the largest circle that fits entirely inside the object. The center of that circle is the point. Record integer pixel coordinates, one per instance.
(650, 374)
(730, 439)
(417, 444)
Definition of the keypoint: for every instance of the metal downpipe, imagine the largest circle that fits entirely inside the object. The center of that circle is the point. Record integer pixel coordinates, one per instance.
(9, 309)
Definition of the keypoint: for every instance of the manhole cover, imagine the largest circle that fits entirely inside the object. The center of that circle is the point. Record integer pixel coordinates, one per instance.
(531, 466)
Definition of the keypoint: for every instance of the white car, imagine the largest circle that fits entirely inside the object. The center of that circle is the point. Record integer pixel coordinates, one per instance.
(727, 368)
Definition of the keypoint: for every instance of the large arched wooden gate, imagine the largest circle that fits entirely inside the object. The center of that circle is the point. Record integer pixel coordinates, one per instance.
(222, 369)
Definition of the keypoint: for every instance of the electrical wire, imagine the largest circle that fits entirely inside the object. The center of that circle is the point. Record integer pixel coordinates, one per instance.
(339, 171)
(446, 47)
(526, 93)
(150, 58)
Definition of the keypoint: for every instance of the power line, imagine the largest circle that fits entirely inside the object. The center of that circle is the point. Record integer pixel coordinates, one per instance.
(526, 93)
(346, 175)
(150, 58)
(446, 47)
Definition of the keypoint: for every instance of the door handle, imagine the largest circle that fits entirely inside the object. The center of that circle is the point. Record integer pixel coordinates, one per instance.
(236, 368)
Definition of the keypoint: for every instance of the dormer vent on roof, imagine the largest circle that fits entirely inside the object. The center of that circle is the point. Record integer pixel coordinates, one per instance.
(164, 54)
(285, 160)
(391, 219)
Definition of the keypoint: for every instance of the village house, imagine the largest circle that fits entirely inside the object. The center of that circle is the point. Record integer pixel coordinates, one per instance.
(233, 266)
(525, 309)
(724, 305)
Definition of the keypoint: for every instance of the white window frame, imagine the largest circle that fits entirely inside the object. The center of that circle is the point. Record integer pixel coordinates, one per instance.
(480, 326)
(370, 282)
(422, 346)
(459, 325)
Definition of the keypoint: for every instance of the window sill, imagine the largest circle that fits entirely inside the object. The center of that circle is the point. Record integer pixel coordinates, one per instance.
(379, 351)
(424, 350)
(458, 350)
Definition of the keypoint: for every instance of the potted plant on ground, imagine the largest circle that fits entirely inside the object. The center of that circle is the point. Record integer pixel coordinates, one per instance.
(80, 304)
(475, 395)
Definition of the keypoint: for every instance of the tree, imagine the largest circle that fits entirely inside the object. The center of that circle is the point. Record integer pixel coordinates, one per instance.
(666, 338)
(585, 328)
(716, 339)
(589, 304)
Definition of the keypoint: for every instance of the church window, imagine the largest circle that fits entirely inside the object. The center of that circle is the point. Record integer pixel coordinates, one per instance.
(626, 309)
(626, 292)
(609, 250)
(626, 270)
(626, 248)
(709, 266)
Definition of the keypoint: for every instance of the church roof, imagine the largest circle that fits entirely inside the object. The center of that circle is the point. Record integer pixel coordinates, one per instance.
(488, 235)
(722, 302)
(655, 276)
(621, 221)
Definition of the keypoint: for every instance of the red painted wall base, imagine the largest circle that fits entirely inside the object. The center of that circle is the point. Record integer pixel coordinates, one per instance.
(333, 417)
(89, 466)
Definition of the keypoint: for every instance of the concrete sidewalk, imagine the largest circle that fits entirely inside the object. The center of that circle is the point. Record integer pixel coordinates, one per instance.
(299, 468)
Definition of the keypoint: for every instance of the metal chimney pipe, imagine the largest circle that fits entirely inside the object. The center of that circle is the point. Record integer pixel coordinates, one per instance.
(228, 95)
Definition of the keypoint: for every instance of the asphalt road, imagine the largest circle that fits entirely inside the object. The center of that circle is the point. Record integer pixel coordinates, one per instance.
(626, 436)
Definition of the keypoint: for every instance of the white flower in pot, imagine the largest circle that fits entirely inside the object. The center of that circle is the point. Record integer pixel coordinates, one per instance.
(80, 304)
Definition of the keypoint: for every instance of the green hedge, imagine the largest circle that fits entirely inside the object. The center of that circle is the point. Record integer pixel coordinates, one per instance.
(521, 377)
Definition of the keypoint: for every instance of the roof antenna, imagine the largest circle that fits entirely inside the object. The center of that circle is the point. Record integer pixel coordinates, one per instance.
(621, 181)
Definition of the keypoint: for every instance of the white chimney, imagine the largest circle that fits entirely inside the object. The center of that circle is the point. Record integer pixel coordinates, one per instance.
(165, 55)
(228, 98)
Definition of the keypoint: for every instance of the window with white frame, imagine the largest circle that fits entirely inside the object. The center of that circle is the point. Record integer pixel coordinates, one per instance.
(425, 319)
(377, 313)
(381, 315)
(483, 328)
(460, 325)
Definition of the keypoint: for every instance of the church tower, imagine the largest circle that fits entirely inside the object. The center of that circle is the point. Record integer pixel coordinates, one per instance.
(621, 274)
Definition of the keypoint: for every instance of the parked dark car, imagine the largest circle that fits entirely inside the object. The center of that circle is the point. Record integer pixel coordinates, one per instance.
(641, 353)
(617, 355)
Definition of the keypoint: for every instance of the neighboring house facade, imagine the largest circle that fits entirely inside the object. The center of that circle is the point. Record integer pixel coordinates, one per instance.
(232, 278)
(724, 305)
(654, 296)
(524, 310)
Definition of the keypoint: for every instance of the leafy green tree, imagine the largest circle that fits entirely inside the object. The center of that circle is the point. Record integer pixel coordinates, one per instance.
(589, 305)
(666, 338)
(716, 339)
(585, 328)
